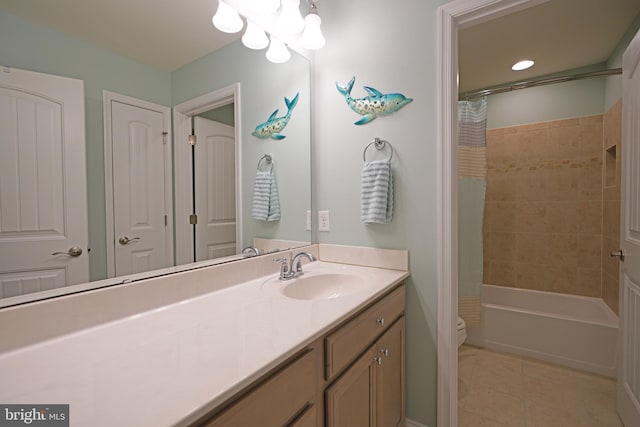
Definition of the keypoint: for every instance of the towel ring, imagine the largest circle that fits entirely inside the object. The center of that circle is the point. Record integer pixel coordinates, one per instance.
(379, 144)
(267, 158)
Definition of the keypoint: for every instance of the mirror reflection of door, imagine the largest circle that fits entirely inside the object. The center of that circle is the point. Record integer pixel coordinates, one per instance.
(215, 184)
(141, 232)
(43, 205)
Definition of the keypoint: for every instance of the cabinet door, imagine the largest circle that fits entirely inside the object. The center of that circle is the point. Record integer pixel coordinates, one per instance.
(306, 419)
(351, 399)
(390, 376)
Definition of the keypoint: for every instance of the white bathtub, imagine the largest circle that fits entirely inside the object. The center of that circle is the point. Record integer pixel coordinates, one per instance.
(578, 332)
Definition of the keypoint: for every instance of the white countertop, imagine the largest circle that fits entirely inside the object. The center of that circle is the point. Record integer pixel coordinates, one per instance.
(171, 365)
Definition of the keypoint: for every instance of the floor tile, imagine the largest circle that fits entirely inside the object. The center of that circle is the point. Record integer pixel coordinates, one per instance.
(497, 389)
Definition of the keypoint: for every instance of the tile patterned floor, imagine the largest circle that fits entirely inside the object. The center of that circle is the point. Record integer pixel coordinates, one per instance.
(497, 389)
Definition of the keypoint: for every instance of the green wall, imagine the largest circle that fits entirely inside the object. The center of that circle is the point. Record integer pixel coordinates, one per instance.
(393, 49)
(31, 47)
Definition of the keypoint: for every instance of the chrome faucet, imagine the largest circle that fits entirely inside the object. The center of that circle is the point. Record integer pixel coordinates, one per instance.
(293, 267)
(250, 251)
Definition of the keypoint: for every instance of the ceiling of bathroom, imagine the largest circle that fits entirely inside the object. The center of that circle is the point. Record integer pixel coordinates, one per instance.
(166, 34)
(559, 35)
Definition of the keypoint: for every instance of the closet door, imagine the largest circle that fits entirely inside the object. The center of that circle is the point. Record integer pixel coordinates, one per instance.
(215, 189)
(43, 196)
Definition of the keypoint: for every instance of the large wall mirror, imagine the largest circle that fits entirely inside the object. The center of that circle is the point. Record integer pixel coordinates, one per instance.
(232, 87)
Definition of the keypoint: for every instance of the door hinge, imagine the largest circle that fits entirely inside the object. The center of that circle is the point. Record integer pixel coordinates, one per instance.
(164, 137)
(193, 140)
(193, 219)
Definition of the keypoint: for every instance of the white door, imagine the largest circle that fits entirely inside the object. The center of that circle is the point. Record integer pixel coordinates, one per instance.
(43, 197)
(215, 189)
(629, 370)
(139, 205)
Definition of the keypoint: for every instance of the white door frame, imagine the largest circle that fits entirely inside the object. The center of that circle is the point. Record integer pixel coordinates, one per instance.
(183, 168)
(453, 16)
(107, 98)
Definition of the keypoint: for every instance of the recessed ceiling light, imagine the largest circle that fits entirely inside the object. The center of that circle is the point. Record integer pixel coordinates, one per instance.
(522, 65)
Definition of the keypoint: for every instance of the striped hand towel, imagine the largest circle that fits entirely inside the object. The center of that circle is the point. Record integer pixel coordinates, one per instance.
(377, 192)
(266, 202)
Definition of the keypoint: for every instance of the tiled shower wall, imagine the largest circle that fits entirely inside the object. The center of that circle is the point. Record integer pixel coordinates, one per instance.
(543, 222)
(611, 203)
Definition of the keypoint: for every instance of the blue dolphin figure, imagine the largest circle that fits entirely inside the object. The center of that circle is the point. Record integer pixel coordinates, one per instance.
(375, 104)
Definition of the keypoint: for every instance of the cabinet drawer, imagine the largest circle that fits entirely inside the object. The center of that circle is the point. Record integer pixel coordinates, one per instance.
(344, 345)
(276, 401)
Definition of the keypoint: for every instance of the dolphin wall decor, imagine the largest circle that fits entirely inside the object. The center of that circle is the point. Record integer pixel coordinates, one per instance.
(274, 125)
(375, 105)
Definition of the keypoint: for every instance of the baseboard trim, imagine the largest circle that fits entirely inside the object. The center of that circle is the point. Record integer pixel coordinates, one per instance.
(411, 423)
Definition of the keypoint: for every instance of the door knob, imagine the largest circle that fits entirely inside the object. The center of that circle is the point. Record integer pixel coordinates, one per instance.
(124, 240)
(74, 251)
(619, 255)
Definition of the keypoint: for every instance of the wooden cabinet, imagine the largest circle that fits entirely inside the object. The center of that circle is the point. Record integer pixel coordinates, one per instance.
(357, 382)
(289, 394)
(371, 392)
(350, 340)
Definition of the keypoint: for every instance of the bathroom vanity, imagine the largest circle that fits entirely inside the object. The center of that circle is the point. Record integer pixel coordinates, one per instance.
(227, 345)
(352, 376)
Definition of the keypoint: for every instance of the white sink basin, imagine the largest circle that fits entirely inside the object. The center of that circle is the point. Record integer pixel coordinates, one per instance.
(324, 286)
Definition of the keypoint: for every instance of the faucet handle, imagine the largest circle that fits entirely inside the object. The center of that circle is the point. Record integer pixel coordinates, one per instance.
(283, 262)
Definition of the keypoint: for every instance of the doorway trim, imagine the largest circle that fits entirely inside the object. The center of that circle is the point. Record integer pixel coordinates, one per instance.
(107, 98)
(183, 168)
(451, 17)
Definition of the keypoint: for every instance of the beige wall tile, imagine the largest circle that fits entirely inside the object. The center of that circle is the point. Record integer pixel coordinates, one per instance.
(531, 217)
(589, 282)
(502, 273)
(590, 182)
(589, 251)
(501, 246)
(563, 142)
(562, 250)
(610, 291)
(503, 217)
(531, 248)
(562, 183)
(590, 217)
(532, 276)
(561, 217)
(531, 185)
(591, 137)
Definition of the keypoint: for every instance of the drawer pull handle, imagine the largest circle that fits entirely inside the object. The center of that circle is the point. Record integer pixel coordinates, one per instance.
(377, 360)
(385, 352)
(380, 321)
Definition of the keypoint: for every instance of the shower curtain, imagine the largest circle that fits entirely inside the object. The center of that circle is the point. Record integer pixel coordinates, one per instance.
(472, 185)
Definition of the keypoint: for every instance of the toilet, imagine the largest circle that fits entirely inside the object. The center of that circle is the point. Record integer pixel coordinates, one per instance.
(462, 331)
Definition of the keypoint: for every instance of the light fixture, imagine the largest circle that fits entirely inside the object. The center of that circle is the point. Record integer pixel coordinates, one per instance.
(254, 37)
(312, 37)
(522, 65)
(278, 52)
(290, 20)
(265, 7)
(227, 19)
(285, 24)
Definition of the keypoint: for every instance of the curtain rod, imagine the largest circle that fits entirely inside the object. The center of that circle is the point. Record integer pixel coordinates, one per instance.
(540, 82)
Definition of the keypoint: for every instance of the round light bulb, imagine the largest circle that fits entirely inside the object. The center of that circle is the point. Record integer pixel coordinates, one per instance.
(227, 19)
(254, 37)
(265, 7)
(278, 52)
(312, 37)
(522, 65)
(290, 20)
